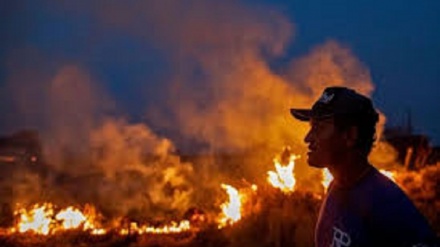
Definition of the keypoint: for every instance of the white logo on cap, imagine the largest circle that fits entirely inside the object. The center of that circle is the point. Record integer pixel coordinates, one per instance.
(326, 98)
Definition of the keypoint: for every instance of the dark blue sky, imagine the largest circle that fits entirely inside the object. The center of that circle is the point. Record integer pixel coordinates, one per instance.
(398, 41)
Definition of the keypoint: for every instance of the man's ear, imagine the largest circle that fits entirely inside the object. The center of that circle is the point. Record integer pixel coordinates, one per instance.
(351, 136)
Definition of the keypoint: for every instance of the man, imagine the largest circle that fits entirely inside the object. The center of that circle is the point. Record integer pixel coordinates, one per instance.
(362, 207)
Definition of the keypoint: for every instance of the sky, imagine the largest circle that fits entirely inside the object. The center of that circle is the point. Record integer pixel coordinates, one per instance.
(135, 58)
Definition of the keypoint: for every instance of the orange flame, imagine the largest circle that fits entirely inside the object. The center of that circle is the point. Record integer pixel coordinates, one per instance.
(37, 220)
(391, 175)
(43, 220)
(71, 217)
(173, 227)
(283, 178)
(231, 210)
(327, 177)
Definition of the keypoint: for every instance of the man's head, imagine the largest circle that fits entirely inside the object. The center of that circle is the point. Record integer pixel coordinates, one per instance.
(343, 122)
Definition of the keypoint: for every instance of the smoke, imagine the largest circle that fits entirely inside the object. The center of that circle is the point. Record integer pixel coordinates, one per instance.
(75, 106)
(329, 64)
(142, 175)
(91, 156)
(220, 91)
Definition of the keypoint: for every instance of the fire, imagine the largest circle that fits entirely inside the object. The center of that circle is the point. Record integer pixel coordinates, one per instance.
(391, 175)
(327, 177)
(38, 219)
(173, 227)
(283, 178)
(41, 219)
(231, 210)
(71, 217)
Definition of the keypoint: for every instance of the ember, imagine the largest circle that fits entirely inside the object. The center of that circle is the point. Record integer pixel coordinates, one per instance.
(173, 227)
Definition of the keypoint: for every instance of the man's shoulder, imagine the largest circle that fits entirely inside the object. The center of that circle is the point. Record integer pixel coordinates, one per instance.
(378, 183)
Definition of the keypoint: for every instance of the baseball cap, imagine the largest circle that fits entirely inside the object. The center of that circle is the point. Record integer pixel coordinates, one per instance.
(337, 101)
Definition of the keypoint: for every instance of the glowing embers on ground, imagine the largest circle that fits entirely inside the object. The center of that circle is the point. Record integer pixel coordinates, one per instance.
(173, 227)
(43, 219)
(283, 176)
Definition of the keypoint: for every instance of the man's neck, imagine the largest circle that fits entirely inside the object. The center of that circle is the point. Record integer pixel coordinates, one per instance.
(349, 171)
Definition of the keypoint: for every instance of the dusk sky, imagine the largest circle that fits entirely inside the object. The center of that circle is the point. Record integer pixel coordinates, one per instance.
(132, 51)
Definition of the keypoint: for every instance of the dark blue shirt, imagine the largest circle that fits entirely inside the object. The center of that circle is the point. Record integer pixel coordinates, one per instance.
(372, 212)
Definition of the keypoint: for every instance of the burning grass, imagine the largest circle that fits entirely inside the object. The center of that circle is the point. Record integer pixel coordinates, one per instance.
(276, 213)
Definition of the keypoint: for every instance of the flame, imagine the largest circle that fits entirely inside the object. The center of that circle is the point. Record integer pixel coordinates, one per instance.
(41, 219)
(327, 177)
(391, 175)
(91, 221)
(37, 220)
(71, 217)
(283, 178)
(173, 227)
(254, 187)
(231, 210)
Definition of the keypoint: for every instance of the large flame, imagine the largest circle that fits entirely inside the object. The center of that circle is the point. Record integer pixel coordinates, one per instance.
(45, 220)
(41, 219)
(283, 176)
(38, 219)
(231, 210)
(71, 218)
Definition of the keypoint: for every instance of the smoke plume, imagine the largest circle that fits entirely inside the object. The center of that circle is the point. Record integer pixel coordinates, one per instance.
(223, 90)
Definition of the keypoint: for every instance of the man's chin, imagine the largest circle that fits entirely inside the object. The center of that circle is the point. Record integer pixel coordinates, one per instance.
(315, 163)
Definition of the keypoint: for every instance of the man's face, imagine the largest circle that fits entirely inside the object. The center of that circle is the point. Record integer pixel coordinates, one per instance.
(326, 144)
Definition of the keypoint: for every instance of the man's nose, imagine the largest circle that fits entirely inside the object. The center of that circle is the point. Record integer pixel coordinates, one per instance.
(308, 137)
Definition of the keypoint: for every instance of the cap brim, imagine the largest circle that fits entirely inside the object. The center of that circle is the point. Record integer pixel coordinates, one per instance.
(301, 114)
